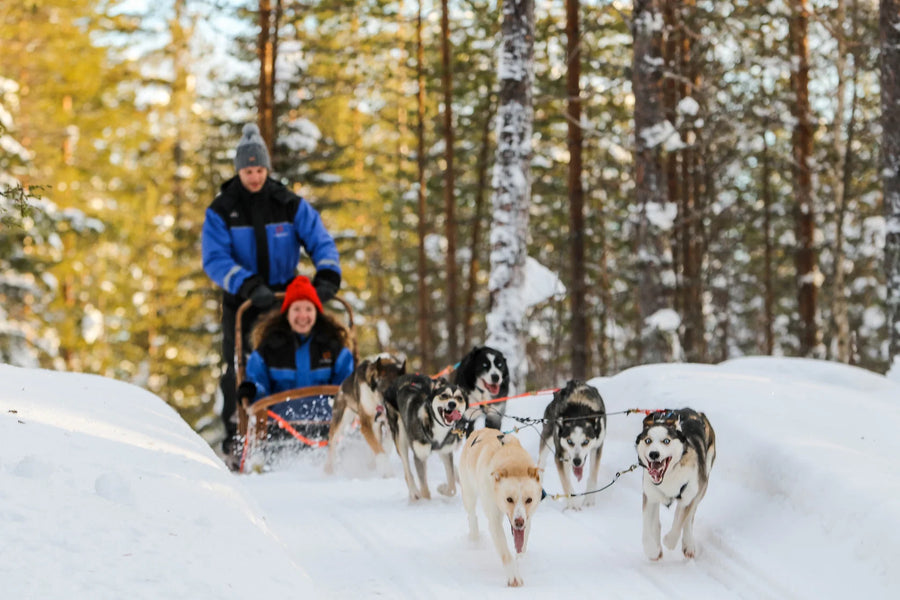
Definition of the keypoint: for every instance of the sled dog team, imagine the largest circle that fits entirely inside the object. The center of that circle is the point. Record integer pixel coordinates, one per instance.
(676, 448)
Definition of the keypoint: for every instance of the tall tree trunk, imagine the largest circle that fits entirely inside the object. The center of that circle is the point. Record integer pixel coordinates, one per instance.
(889, 26)
(424, 333)
(768, 283)
(449, 185)
(267, 51)
(692, 252)
(670, 96)
(843, 184)
(576, 192)
(512, 187)
(808, 274)
(652, 251)
(478, 219)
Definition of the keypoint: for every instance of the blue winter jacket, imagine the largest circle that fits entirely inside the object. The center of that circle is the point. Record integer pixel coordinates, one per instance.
(286, 361)
(290, 222)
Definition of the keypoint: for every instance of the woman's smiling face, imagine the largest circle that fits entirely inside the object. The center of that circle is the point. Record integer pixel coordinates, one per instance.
(302, 316)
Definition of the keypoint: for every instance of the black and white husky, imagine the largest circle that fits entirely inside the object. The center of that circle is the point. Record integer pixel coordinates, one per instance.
(575, 425)
(677, 449)
(483, 374)
(426, 416)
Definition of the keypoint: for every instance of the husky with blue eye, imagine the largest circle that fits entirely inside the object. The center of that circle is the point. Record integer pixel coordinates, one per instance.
(574, 429)
(677, 449)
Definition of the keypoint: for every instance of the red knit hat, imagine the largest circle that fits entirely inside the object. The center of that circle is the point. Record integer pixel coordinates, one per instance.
(300, 289)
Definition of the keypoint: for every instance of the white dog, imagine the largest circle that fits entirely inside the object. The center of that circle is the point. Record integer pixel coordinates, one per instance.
(495, 468)
(677, 449)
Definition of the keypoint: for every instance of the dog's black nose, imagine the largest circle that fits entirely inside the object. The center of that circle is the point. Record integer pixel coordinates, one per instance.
(576, 462)
(451, 405)
(653, 455)
(495, 378)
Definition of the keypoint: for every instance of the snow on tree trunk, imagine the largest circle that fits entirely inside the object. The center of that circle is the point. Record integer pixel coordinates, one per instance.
(512, 188)
(890, 116)
(658, 322)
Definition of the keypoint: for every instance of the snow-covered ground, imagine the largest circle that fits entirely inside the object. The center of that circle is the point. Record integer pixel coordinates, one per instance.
(106, 493)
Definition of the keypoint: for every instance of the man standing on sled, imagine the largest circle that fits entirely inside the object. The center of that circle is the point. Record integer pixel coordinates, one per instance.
(252, 235)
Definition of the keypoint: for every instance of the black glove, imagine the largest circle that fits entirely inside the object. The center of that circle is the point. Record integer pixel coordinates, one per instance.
(327, 283)
(257, 292)
(247, 390)
(262, 297)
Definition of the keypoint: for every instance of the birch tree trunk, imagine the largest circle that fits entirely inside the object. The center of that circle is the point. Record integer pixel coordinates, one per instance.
(889, 25)
(512, 188)
(657, 334)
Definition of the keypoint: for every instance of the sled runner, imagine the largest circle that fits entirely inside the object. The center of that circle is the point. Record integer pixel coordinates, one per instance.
(299, 416)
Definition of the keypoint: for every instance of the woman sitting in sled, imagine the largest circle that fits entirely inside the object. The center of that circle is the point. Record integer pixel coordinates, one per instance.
(297, 347)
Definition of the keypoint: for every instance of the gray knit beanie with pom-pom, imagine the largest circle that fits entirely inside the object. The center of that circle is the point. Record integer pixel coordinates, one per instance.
(251, 150)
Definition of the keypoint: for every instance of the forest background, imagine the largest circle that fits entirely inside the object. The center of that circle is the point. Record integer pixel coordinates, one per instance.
(745, 215)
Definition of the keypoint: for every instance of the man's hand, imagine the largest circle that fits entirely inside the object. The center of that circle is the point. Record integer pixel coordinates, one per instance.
(262, 297)
(327, 284)
(247, 390)
(257, 292)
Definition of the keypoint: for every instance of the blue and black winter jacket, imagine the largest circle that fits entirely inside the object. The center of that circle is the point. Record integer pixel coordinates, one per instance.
(230, 248)
(286, 361)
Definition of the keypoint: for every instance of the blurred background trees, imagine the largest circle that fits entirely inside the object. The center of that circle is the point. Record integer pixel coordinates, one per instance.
(763, 231)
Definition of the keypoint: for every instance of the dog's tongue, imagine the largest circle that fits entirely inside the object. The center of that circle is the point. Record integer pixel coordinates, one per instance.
(453, 416)
(493, 388)
(579, 471)
(518, 539)
(656, 470)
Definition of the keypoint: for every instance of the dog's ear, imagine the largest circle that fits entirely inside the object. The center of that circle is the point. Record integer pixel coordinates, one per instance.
(535, 473)
(372, 374)
(499, 474)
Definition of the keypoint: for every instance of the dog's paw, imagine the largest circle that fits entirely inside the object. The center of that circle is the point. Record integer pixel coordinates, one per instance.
(446, 489)
(589, 500)
(515, 581)
(383, 465)
(653, 553)
(671, 539)
(689, 551)
(573, 504)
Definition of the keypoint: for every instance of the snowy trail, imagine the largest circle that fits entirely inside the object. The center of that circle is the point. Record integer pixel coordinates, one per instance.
(382, 546)
(759, 534)
(374, 539)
